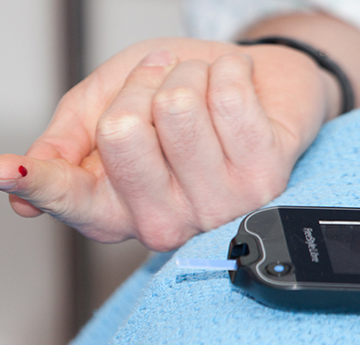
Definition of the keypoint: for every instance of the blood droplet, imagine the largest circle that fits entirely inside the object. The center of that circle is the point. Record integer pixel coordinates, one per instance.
(23, 171)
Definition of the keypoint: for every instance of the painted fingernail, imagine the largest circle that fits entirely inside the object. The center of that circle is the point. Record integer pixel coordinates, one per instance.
(159, 58)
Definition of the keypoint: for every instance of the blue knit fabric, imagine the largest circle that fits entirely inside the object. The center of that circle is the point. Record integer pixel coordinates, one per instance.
(176, 306)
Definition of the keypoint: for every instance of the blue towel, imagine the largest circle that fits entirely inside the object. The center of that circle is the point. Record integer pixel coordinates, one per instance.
(168, 305)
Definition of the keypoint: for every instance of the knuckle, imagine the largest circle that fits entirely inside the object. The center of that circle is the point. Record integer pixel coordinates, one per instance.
(176, 111)
(231, 92)
(228, 99)
(118, 128)
(176, 101)
(246, 61)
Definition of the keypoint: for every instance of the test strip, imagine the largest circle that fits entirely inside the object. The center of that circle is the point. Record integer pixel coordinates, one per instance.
(207, 264)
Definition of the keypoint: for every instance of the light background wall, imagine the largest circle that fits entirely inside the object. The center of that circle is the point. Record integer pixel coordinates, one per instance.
(36, 258)
(34, 280)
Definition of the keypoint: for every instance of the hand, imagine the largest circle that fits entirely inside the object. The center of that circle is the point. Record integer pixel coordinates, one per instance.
(181, 144)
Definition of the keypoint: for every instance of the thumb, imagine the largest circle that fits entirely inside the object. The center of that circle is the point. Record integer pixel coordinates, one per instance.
(36, 186)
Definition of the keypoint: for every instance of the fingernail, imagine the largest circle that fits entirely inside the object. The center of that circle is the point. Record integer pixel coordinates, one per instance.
(7, 185)
(10, 183)
(159, 58)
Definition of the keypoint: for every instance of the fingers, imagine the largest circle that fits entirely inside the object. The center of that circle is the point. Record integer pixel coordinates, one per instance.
(246, 132)
(182, 121)
(125, 137)
(132, 156)
(186, 132)
(71, 133)
(241, 124)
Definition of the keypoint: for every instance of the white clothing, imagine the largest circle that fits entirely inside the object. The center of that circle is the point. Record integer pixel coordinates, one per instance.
(222, 19)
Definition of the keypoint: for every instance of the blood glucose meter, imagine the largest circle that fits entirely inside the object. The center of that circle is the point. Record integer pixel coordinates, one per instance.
(299, 258)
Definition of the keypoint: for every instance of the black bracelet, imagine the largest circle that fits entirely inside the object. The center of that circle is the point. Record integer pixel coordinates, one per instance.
(348, 99)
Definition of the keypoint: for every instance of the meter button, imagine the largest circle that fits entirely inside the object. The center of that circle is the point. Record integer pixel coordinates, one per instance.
(278, 269)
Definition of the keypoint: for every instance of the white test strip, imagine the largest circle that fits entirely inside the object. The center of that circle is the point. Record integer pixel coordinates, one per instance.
(207, 264)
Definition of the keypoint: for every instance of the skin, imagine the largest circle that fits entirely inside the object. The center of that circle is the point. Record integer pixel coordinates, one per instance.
(173, 137)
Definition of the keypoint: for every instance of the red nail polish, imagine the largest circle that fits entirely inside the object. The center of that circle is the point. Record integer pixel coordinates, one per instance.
(23, 171)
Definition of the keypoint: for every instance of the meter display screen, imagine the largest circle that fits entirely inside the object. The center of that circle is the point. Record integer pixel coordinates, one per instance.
(324, 244)
(342, 239)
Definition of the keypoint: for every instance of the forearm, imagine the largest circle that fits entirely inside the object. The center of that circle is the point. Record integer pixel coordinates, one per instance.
(337, 39)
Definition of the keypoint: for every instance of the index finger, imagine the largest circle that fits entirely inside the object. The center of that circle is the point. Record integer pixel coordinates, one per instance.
(71, 132)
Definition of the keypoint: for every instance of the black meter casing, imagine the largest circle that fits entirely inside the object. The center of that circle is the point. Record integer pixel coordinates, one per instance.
(300, 258)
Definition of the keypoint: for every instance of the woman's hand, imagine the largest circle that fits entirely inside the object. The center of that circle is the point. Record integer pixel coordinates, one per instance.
(195, 135)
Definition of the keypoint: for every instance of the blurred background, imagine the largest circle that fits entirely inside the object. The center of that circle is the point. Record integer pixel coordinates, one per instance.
(51, 279)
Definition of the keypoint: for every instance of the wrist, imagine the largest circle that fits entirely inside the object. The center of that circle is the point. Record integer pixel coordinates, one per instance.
(337, 38)
(297, 95)
(323, 61)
